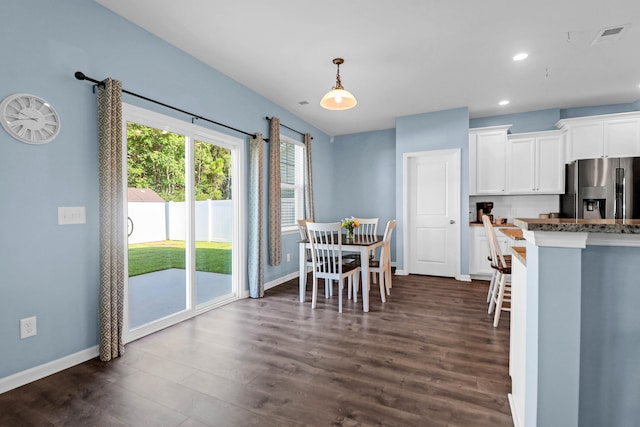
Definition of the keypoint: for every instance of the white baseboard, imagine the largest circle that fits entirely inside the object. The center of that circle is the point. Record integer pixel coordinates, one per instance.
(25, 377)
(401, 273)
(514, 415)
(280, 280)
(463, 277)
(272, 284)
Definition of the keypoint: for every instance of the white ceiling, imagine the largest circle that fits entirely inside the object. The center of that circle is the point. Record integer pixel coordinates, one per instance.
(407, 57)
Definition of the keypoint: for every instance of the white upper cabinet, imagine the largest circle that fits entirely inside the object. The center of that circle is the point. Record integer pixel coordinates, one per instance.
(487, 160)
(535, 163)
(521, 156)
(622, 137)
(612, 135)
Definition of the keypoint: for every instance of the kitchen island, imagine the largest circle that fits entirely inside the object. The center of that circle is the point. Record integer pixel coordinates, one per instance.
(577, 343)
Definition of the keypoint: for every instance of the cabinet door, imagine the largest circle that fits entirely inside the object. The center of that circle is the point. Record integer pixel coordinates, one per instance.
(549, 165)
(490, 163)
(586, 140)
(622, 137)
(479, 251)
(521, 166)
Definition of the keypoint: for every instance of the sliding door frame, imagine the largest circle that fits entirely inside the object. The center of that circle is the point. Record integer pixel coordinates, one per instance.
(192, 133)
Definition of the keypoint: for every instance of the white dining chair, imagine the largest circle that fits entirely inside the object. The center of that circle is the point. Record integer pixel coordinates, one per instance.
(501, 292)
(302, 228)
(382, 266)
(368, 227)
(326, 255)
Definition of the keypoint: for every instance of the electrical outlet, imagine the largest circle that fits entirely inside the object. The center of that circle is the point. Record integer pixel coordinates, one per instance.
(288, 257)
(28, 327)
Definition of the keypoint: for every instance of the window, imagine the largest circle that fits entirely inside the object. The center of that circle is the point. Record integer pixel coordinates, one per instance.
(291, 184)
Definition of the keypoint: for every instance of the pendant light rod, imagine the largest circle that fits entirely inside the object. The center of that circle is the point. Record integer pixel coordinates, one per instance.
(338, 61)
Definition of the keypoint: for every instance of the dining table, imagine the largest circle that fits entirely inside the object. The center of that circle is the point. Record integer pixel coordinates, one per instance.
(360, 244)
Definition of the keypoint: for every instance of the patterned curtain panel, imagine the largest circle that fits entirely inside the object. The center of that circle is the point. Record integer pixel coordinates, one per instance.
(275, 238)
(309, 196)
(255, 259)
(111, 223)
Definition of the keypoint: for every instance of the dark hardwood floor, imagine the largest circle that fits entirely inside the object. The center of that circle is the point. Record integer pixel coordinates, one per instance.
(427, 357)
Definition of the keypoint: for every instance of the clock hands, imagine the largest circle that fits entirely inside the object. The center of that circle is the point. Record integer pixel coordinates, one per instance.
(27, 116)
(22, 116)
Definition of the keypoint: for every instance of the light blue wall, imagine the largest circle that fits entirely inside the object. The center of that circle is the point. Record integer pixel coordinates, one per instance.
(542, 120)
(597, 110)
(610, 339)
(558, 335)
(522, 122)
(435, 131)
(365, 177)
(52, 271)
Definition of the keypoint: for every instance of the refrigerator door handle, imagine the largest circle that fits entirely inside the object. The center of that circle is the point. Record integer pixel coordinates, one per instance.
(619, 196)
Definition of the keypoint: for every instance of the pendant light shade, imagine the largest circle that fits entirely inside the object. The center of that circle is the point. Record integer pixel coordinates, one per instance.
(338, 98)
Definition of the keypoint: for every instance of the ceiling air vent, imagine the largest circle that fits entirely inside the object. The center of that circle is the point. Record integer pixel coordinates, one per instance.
(610, 34)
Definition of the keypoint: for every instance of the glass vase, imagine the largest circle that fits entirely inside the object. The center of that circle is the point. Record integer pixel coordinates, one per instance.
(349, 235)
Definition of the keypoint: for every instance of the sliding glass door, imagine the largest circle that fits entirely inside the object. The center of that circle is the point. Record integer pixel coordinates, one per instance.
(213, 222)
(182, 216)
(156, 212)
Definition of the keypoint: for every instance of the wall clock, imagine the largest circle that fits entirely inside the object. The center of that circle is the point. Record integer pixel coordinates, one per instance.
(29, 118)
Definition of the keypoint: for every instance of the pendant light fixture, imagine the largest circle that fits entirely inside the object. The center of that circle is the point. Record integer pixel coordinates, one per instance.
(338, 98)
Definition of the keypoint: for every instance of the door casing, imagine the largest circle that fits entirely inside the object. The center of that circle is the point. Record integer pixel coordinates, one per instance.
(453, 193)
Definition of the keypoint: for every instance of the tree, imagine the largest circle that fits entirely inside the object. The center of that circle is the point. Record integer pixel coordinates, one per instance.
(156, 160)
(212, 166)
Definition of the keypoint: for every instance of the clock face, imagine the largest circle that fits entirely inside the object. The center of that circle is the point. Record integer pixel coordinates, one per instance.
(29, 118)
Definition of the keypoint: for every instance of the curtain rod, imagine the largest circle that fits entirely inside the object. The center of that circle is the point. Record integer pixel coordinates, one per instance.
(285, 126)
(80, 76)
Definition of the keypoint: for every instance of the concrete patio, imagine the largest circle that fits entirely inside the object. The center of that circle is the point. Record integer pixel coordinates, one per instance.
(153, 296)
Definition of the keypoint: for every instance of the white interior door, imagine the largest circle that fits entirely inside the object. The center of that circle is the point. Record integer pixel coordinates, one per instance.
(432, 235)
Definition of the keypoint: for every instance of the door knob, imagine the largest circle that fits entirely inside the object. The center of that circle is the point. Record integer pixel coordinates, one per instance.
(452, 221)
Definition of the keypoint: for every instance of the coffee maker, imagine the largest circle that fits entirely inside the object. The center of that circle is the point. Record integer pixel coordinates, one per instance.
(484, 208)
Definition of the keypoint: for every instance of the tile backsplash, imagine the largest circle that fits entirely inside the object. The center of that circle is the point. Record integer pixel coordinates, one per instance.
(518, 206)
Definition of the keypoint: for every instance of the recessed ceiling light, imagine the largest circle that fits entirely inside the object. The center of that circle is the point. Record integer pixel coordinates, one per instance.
(521, 56)
(503, 102)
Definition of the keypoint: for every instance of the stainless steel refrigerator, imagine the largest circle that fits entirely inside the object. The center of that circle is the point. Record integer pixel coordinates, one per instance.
(602, 188)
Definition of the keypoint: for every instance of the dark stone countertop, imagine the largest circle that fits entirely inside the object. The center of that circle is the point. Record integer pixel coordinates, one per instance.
(617, 226)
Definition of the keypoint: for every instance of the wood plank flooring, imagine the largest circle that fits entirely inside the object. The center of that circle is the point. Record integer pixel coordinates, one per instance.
(427, 357)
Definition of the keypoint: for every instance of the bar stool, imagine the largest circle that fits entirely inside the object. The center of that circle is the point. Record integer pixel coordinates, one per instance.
(500, 289)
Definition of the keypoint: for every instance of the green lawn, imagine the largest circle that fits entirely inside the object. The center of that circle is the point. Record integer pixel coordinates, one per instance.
(144, 258)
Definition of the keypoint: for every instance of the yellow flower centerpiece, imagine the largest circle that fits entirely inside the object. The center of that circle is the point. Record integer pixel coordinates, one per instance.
(349, 224)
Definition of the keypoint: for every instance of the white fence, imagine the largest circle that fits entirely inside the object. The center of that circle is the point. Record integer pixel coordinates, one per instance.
(157, 221)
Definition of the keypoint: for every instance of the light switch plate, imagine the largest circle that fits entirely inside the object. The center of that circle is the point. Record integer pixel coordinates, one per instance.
(72, 215)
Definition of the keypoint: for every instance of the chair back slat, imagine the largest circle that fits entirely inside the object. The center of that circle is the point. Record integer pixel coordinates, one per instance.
(368, 227)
